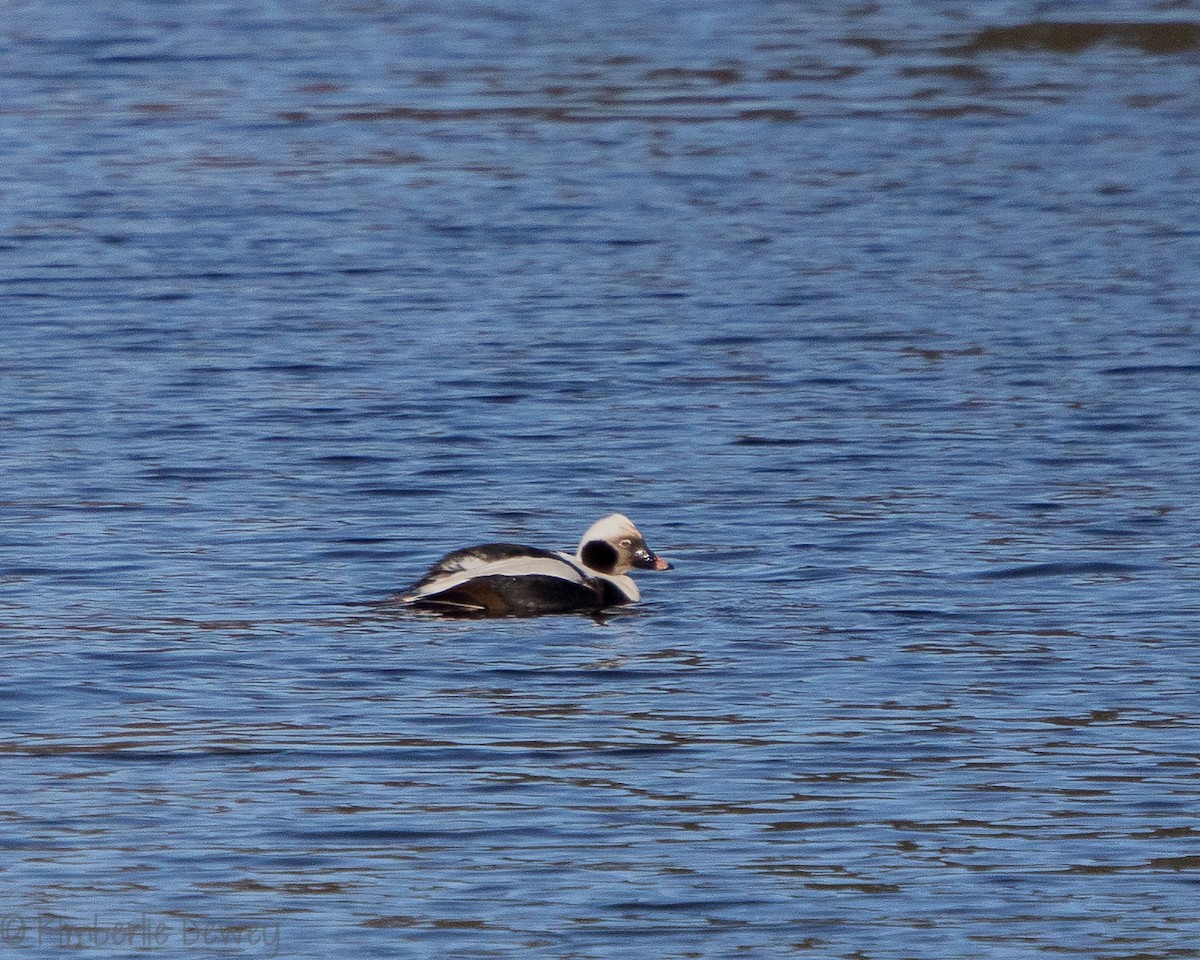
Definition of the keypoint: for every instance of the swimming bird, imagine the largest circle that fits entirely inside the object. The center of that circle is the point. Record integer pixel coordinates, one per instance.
(511, 580)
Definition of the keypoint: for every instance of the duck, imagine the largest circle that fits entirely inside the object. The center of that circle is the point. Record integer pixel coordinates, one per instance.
(513, 580)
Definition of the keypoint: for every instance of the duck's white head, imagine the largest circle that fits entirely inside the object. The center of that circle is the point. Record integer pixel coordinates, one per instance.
(614, 546)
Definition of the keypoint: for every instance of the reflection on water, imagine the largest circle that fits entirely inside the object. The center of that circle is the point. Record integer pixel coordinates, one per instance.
(1166, 37)
(881, 322)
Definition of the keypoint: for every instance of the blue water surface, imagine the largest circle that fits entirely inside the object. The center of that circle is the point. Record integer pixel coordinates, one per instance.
(879, 320)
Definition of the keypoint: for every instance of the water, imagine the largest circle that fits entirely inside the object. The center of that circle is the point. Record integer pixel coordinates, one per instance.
(880, 323)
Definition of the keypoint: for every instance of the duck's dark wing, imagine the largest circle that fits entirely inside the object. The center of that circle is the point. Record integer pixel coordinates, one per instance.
(515, 595)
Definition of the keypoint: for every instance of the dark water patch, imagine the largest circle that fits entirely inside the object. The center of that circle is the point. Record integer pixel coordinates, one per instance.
(195, 474)
(719, 75)
(1043, 506)
(387, 158)
(1140, 426)
(157, 59)
(1075, 37)
(602, 672)
(646, 110)
(953, 71)
(1064, 568)
(18, 572)
(960, 111)
(299, 369)
(1057, 462)
(445, 472)
(1188, 863)
(630, 241)
(933, 354)
(83, 506)
(448, 924)
(1151, 370)
(292, 889)
(918, 613)
(438, 835)
(351, 460)
(866, 887)
(772, 114)
(702, 380)
(135, 752)
(365, 541)
(1092, 717)
(393, 922)
(681, 906)
(382, 552)
(458, 115)
(753, 440)
(398, 492)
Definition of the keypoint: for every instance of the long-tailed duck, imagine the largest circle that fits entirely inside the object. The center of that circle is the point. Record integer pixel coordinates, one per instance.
(510, 580)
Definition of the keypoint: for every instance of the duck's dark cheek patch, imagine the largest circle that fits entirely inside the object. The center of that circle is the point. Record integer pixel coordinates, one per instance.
(599, 555)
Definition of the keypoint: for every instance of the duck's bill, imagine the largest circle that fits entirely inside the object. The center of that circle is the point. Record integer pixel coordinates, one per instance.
(648, 560)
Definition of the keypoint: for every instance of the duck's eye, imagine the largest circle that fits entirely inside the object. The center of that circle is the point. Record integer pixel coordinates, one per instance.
(627, 542)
